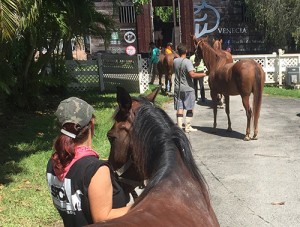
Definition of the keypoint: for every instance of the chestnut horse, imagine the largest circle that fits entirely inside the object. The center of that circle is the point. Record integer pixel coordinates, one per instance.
(176, 193)
(217, 45)
(165, 67)
(241, 78)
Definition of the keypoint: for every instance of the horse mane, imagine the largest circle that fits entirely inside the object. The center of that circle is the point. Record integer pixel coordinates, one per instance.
(212, 59)
(156, 139)
(210, 56)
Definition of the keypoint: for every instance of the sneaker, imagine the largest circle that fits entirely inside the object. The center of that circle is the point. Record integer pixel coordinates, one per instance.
(190, 129)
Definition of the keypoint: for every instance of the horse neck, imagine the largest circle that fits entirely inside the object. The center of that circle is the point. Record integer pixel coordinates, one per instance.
(176, 175)
(228, 57)
(210, 57)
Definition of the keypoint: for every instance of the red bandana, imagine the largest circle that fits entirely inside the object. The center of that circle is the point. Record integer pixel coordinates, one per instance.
(80, 152)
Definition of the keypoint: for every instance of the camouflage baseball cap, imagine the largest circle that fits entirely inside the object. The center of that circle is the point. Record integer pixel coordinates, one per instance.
(74, 110)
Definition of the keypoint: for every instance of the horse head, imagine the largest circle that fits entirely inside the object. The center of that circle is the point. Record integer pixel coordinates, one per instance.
(212, 59)
(120, 133)
(201, 52)
(217, 44)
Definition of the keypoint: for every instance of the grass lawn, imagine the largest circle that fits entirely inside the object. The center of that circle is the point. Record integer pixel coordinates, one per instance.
(271, 90)
(26, 142)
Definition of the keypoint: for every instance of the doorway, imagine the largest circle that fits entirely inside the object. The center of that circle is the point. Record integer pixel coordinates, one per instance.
(165, 23)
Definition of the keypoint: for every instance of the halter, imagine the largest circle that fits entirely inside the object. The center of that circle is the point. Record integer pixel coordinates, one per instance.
(198, 43)
(121, 171)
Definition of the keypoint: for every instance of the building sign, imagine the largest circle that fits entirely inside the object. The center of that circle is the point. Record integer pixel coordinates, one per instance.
(114, 38)
(228, 20)
(130, 50)
(129, 37)
(232, 30)
(205, 12)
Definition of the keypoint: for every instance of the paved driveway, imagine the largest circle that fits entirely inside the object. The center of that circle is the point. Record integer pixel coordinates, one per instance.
(254, 183)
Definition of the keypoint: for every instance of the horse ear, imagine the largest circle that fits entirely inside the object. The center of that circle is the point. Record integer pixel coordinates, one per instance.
(195, 41)
(124, 99)
(151, 97)
(221, 40)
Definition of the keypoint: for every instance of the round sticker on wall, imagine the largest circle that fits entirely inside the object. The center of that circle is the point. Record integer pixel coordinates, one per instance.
(130, 50)
(129, 37)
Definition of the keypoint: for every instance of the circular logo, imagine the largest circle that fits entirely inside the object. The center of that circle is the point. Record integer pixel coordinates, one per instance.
(130, 50)
(129, 37)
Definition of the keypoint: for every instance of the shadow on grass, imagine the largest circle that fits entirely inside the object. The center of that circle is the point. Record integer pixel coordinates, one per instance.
(24, 133)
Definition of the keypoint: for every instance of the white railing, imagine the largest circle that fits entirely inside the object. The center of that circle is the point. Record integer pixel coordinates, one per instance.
(93, 74)
(274, 64)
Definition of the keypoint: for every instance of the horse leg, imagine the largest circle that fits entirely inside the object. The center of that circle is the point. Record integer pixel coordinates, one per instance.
(170, 83)
(220, 101)
(159, 78)
(229, 129)
(214, 97)
(255, 137)
(246, 104)
(255, 124)
(166, 82)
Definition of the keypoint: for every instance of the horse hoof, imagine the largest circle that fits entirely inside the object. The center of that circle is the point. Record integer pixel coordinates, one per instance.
(255, 137)
(229, 130)
(247, 138)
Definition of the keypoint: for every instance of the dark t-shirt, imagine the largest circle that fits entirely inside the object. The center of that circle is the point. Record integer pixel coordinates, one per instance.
(70, 196)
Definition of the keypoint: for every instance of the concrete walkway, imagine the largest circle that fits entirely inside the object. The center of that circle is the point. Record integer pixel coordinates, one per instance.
(254, 183)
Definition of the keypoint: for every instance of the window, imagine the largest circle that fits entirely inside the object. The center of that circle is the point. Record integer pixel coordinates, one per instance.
(127, 14)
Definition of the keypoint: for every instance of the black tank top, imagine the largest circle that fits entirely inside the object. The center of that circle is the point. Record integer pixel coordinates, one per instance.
(70, 196)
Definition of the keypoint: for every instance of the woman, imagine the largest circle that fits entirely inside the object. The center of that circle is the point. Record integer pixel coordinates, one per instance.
(82, 187)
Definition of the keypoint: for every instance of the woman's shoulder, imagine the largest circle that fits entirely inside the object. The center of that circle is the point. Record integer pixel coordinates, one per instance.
(91, 162)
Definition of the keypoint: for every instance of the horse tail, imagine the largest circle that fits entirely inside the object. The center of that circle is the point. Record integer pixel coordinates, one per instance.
(257, 93)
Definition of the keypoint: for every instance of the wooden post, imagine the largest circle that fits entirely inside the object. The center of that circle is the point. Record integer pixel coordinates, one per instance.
(280, 54)
(100, 72)
(187, 22)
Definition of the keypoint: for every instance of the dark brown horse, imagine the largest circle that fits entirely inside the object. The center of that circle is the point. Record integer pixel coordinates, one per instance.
(127, 176)
(176, 193)
(165, 67)
(241, 78)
